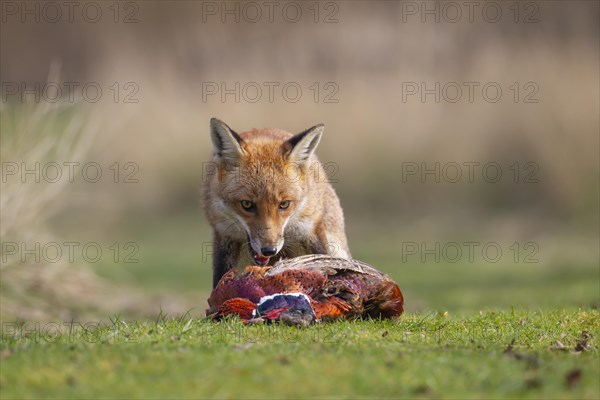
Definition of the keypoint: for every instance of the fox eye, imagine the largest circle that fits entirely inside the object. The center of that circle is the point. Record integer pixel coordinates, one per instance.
(284, 205)
(247, 205)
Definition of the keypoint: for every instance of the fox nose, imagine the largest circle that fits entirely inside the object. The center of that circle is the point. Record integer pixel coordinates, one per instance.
(268, 251)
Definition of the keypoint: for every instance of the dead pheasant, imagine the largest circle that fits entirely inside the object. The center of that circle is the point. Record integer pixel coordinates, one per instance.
(306, 289)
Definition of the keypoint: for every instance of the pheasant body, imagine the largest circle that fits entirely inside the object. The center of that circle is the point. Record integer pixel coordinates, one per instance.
(305, 289)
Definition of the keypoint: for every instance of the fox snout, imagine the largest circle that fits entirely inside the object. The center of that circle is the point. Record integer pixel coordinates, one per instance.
(262, 249)
(268, 251)
(265, 225)
(266, 248)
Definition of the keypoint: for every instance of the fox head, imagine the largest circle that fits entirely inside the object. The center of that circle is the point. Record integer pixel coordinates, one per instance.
(262, 181)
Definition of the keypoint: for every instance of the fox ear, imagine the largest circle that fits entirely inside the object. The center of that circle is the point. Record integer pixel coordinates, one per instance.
(226, 143)
(303, 145)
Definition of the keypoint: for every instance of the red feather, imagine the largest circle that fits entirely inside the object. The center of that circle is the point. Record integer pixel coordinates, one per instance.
(337, 288)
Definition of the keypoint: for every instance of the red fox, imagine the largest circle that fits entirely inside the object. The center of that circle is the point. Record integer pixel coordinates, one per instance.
(267, 197)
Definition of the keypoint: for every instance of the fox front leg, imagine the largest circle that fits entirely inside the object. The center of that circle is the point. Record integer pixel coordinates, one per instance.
(320, 244)
(226, 254)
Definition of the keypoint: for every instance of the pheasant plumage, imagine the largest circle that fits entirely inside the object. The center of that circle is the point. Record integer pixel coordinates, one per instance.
(304, 289)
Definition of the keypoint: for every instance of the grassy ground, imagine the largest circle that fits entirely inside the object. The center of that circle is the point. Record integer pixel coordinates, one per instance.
(515, 353)
(548, 347)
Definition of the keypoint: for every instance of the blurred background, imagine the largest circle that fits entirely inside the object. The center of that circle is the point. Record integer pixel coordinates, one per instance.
(463, 144)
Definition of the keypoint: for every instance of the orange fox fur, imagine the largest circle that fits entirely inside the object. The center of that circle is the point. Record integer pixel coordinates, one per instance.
(267, 197)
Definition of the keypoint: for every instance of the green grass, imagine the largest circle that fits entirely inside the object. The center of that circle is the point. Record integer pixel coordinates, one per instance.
(514, 354)
(466, 353)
